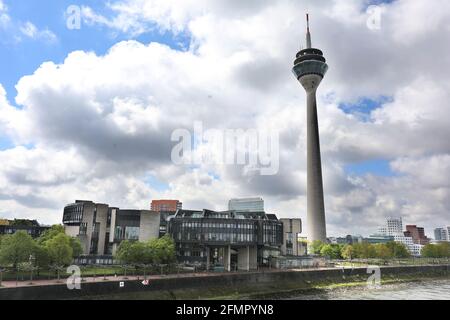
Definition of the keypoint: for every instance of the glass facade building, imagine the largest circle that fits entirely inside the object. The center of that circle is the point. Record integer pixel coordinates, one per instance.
(202, 236)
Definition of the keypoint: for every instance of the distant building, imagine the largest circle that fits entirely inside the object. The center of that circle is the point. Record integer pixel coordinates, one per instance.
(101, 228)
(417, 234)
(374, 239)
(31, 227)
(246, 205)
(394, 230)
(394, 226)
(442, 234)
(166, 205)
(226, 240)
(165, 208)
(292, 228)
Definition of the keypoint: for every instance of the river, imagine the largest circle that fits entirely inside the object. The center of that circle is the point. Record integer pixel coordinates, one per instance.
(423, 290)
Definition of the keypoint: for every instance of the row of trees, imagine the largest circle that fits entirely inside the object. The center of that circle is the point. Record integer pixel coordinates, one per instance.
(365, 250)
(155, 251)
(52, 250)
(440, 250)
(362, 250)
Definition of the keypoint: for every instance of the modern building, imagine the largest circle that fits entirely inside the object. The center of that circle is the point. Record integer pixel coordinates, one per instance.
(229, 240)
(417, 234)
(442, 234)
(393, 227)
(394, 230)
(165, 208)
(246, 205)
(310, 68)
(31, 227)
(292, 228)
(101, 228)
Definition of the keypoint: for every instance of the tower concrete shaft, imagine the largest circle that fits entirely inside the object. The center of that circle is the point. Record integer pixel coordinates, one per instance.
(310, 67)
(315, 199)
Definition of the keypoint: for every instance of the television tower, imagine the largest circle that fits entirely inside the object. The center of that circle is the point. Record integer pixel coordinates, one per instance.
(310, 68)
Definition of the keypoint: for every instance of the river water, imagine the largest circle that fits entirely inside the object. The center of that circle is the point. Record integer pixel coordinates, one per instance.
(426, 290)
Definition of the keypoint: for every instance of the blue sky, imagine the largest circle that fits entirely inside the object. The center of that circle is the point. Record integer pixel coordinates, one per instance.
(21, 58)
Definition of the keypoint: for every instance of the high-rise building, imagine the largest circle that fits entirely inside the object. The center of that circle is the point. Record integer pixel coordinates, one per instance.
(393, 227)
(442, 234)
(246, 204)
(309, 68)
(417, 234)
(166, 205)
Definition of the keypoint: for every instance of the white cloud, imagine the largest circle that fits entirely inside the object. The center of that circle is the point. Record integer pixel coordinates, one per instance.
(31, 31)
(101, 124)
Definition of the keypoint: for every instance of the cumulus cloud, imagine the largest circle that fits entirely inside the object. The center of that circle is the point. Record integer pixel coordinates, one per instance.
(98, 126)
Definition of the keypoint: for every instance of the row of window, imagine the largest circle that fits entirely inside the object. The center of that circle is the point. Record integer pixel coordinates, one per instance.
(227, 237)
(245, 226)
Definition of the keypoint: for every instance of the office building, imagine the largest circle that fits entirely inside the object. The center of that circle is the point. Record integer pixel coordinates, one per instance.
(442, 234)
(101, 228)
(31, 227)
(417, 234)
(166, 205)
(310, 68)
(230, 240)
(246, 205)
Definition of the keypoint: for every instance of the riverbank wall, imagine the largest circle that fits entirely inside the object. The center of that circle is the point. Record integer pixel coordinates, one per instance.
(219, 285)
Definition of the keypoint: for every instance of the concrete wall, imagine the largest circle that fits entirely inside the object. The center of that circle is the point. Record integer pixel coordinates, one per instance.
(88, 217)
(293, 226)
(72, 231)
(275, 280)
(102, 217)
(244, 259)
(149, 225)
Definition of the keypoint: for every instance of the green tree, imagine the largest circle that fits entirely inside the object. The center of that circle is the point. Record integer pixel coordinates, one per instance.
(383, 251)
(56, 230)
(60, 251)
(51, 233)
(440, 250)
(316, 246)
(332, 251)
(364, 250)
(398, 250)
(347, 252)
(77, 249)
(16, 249)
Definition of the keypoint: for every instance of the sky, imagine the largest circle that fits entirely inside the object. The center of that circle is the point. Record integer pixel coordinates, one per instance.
(87, 110)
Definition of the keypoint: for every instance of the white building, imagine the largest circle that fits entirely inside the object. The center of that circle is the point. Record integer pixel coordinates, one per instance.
(394, 228)
(246, 204)
(442, 234)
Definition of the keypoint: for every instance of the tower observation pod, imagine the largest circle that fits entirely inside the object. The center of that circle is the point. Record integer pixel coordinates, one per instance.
(309, 68)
